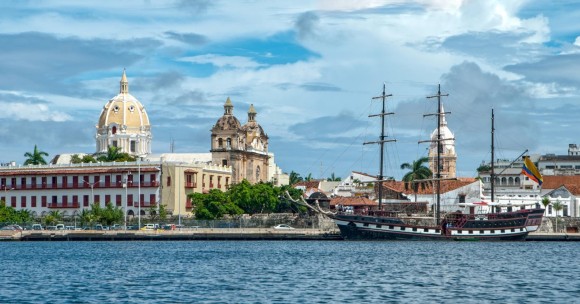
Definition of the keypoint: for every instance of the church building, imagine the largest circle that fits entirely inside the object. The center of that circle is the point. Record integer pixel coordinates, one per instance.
(243, 147)
(447, 153)
(124, 124)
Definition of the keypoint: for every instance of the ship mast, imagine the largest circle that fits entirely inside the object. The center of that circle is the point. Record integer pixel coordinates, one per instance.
(438, 140)
(492, 173)
(381, 141)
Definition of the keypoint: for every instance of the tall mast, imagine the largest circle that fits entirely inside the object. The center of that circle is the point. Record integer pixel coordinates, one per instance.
(438, 140)
(492, 173)
(381, 141)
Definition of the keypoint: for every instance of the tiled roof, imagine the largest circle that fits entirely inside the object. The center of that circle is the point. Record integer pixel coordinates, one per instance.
(308, 184)
(571, 182)
(352, 201)
(446, 186)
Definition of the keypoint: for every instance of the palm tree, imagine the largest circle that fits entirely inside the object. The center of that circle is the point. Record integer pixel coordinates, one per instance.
(333, 178)
(308, 178)
(295, 178)
(35, 158)
(418, 172)
(557, 207)
(545, 201)
(113, 155)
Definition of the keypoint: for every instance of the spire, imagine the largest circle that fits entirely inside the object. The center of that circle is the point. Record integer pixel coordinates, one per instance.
(252, 113)
(124, 84)
(443, 121)
(228, 107)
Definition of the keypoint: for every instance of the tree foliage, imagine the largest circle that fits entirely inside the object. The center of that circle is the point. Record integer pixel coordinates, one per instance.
(418, 172)
(333, 178)
(113, 155)
(10, 215)
(35, 158)
(76, 159)
(243, 198)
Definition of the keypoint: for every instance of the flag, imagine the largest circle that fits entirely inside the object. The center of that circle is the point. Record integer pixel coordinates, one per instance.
(531, 171)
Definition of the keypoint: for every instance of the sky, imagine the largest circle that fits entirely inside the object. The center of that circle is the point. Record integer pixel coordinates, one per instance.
(310, 68)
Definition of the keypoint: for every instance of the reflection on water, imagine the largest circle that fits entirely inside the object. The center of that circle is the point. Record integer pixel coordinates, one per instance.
(288, 272)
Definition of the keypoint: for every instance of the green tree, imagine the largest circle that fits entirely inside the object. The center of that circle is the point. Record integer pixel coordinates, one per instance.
(483, 168)
(86, 218)
(52, 218)
(35, 158)
(110, 214)
(545, 201)
(418, 172)
(163, 213)
(213, 205)
(113, 155)
(76, 159)
(557, 207)
(308, 177)
(333, 178)
(295, 178)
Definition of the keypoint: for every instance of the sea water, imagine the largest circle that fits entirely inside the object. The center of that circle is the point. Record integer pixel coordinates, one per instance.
(289, 272)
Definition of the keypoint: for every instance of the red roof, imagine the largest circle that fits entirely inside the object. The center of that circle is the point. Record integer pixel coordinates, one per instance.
(446, 186)
(352, 201)
(571, 182)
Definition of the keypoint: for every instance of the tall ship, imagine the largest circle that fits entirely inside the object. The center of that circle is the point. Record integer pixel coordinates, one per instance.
(478, 221)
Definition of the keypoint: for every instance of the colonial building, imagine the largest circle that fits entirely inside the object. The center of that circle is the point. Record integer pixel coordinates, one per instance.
(447, 153)
(136, 187)
(124, 123)
(244, 148)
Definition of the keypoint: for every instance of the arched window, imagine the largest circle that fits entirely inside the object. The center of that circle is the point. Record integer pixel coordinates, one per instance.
(220, 143)
(229, 143)
(114, 130)
(258, 173)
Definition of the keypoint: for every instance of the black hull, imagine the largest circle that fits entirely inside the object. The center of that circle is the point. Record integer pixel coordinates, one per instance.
(513, 226)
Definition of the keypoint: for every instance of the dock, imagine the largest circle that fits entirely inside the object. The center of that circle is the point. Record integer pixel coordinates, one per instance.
(206, 234)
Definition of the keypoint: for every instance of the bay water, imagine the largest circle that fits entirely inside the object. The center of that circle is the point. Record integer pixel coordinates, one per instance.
(289, 272)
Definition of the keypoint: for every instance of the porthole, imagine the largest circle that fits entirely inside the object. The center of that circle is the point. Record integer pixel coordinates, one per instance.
(131, 108)
(116, 108)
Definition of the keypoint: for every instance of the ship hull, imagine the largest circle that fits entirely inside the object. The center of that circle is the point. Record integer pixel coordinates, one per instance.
(513, 226)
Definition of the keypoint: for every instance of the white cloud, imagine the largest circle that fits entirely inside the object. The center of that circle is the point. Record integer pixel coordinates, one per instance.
(223, 61)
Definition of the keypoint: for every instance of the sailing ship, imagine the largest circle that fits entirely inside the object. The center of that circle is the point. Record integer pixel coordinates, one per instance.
(490, 223)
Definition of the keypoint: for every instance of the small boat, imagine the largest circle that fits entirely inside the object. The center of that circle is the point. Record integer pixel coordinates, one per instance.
(489, 224)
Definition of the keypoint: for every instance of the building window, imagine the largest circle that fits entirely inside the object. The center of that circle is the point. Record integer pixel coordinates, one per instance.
(229, 143)
(220, 143)
(33, 202)
(224, 162)
(119, 200)
(550, 209)
(133, 146)
(114, 144)
(168, 181)
(462, 198)
(114, 130)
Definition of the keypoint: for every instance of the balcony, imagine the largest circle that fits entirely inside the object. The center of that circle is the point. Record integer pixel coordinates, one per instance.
(63, 205)
(189, 185)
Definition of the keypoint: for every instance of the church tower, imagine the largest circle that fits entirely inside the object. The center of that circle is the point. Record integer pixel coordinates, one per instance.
(244, 148)
(124, 124)
(447, 153)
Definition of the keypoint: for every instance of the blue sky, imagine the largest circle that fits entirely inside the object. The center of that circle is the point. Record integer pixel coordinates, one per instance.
(309, 67)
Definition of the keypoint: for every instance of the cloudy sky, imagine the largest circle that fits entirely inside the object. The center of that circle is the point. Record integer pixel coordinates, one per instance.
(310, 68)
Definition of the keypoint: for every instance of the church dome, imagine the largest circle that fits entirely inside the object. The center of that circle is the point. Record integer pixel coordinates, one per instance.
(228, 121)
(124, 110)
(448, 140)
(124, 123)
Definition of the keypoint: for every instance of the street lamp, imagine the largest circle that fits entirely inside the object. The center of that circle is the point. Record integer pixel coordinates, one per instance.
(139, 188)
(126, 186)
(92, 192)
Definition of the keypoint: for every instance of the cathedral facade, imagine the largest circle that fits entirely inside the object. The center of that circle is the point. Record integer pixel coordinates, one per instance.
(243, 147)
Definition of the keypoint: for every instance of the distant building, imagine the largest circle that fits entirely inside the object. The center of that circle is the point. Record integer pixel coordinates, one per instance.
(244, 148)
(447, 155)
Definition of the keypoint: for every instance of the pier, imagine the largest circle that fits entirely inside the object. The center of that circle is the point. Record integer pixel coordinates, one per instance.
(216, 234)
